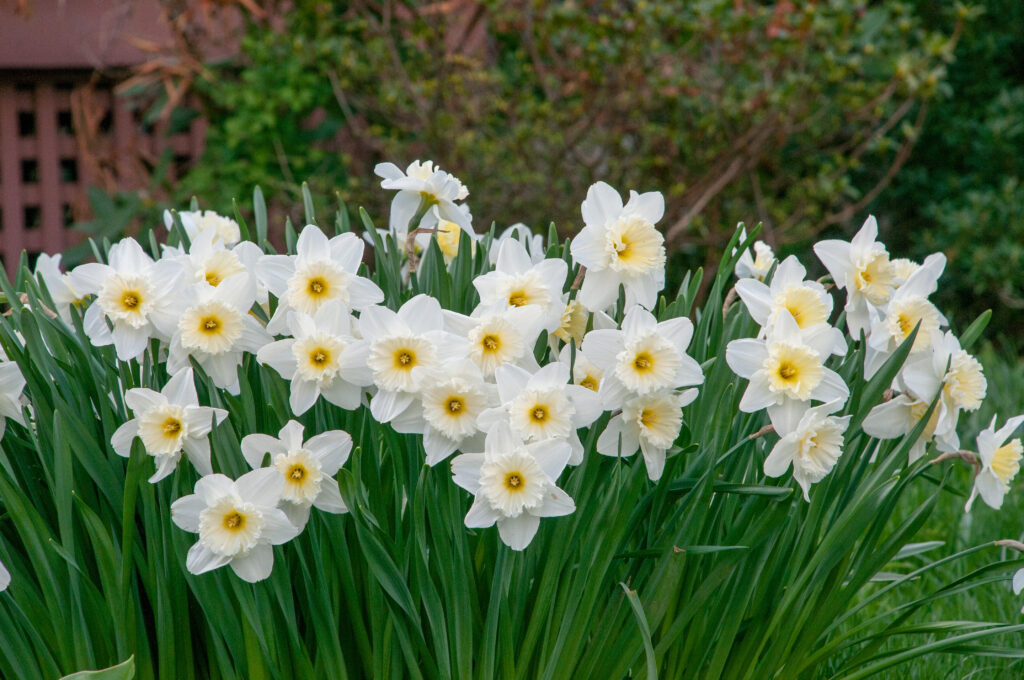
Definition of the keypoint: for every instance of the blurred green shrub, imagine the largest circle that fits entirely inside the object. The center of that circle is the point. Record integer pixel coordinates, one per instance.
(794, 114)
(963, 189)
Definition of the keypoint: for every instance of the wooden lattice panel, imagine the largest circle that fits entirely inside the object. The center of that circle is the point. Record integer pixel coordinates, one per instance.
(60, 133)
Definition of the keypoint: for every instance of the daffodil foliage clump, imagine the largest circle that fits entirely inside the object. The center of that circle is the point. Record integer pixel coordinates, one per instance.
(482, 456)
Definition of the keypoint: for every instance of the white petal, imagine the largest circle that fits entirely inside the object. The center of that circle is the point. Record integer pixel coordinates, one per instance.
(312, 244)
(201, 559)
(422, 314)
(185, 512)
(332, 448)
(517, 532)
(262, 487)
(123, 437)
(254, 565)
(745, 357)
(255, 447)
(329, 499)
(835, 255)
(276, 528)
(890, 419)
(212, 488)
(650, 205)
(557, 503)
(587, 247)
(386, 404)
(141, 399)
(303, 395)
(552, 455)
(481, 515)
(599, 290)
(198, 452)
(602, 346)
(602, 205)
(511, 381)
(778, 461)
(466, 471)
(181, 389)
(654, 460)
(129, 342)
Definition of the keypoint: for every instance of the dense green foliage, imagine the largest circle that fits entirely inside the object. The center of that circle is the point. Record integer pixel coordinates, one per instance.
(963, 190)
(714, 571)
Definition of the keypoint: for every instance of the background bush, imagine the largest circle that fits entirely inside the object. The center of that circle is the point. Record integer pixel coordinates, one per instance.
(794, 114)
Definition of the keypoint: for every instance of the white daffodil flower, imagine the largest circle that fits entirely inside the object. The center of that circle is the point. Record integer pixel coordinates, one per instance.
(812, 445)
(620, 246)
(806, 301)
(534, 243)
(199, 222)
(861, 267)
(12, 384)
(406, 349)
(447, 411)
(786, 370)
(1000, 462)
(898, 417)
(322, 358)
(209, 261)
(650, 423)
(754, 266)
(168, 422)
(513, 485)
(542, 406)
(908, 307)
(518, 282)
(216, 329)
(498, 335)
(642, 358)
(963, 385)
(307, 468)
(322, 270)
(584, 372)
(423, 181)
(237, 522)
(134, 294)
(58, 284)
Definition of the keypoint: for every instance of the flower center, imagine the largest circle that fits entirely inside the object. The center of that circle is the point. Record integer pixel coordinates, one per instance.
(209, 325)
(318, 286)
(539, 414)
(172, 426)
(456, 404)
(590, 383)
(405, 359)
(297, 472)
(643, 361)
(491, 343)
(320, 356)
(130, 300)
(788, 371)
(234, 521)
(648, 417)
(514, 481)
(518, 298)
(213, 278)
